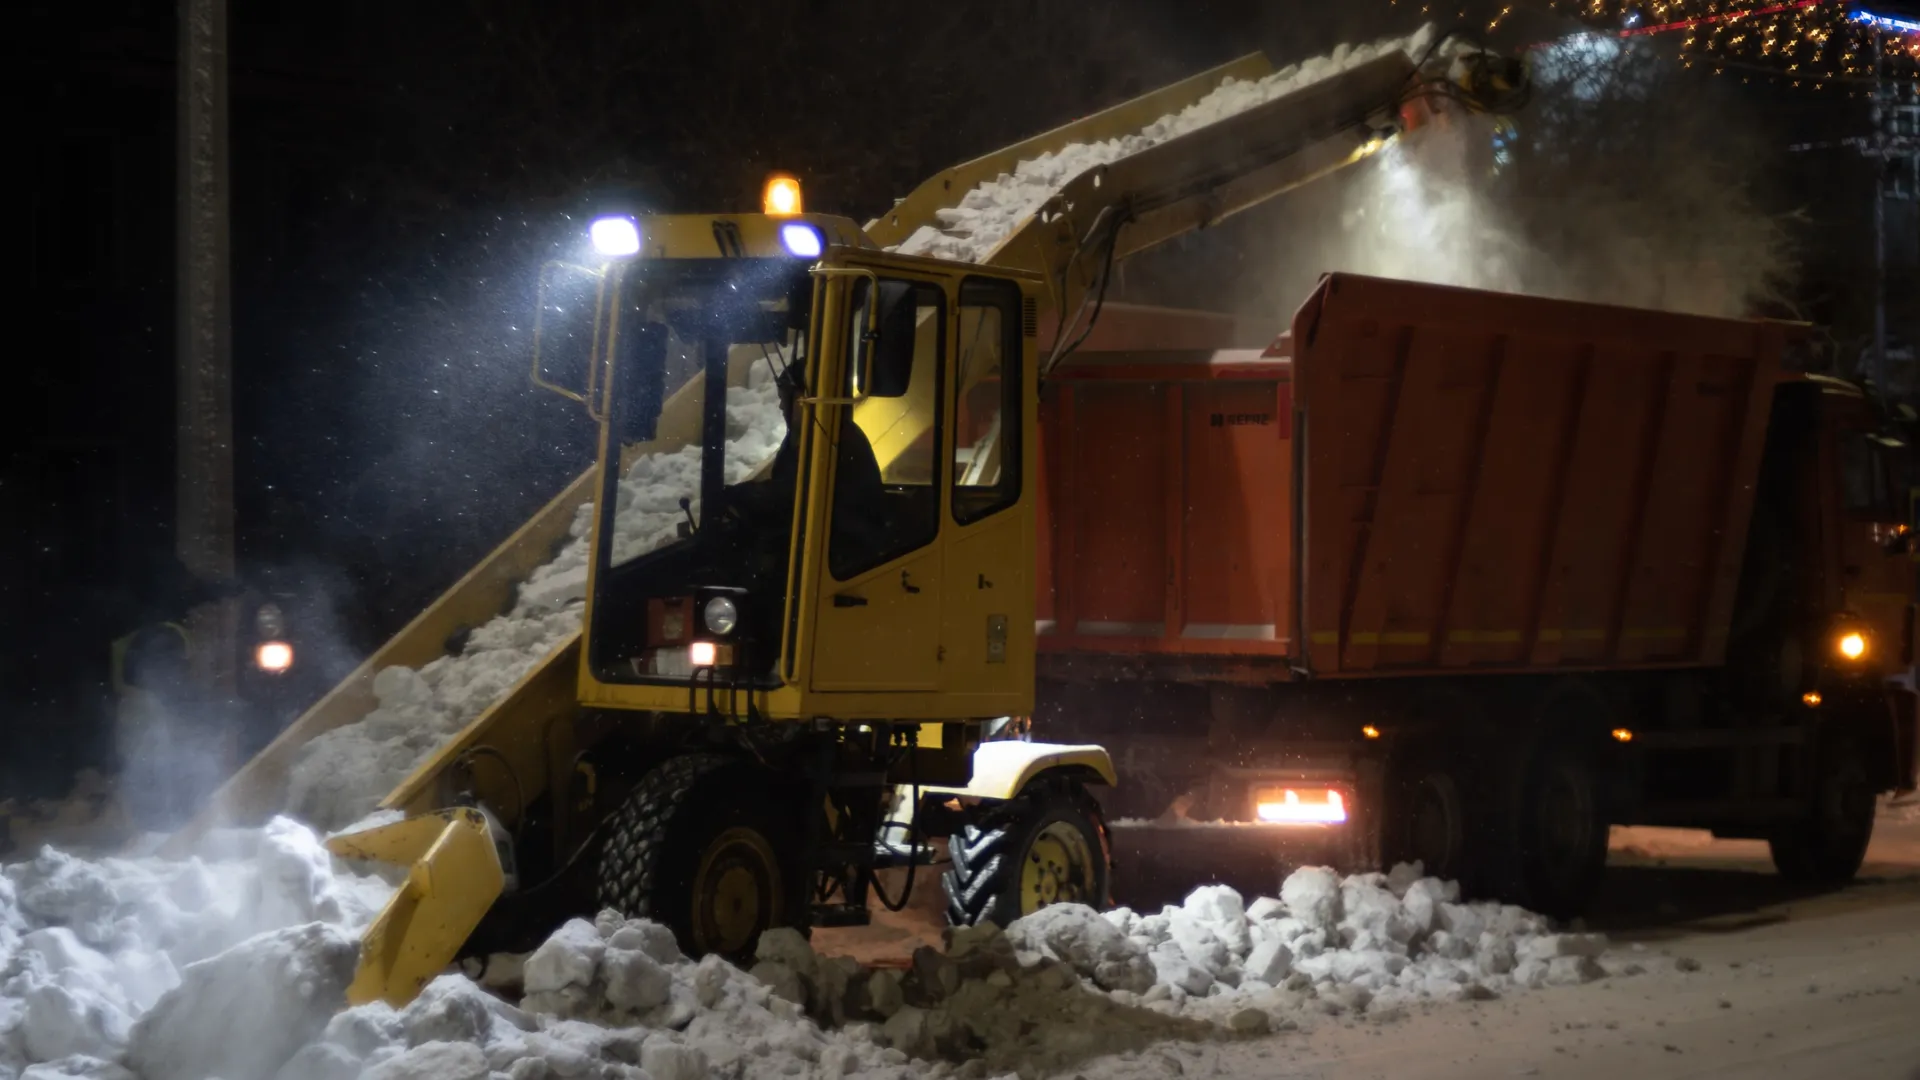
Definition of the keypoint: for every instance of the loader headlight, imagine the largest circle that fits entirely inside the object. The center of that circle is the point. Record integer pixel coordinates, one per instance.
(720, 616)
(615, 237)
(802, 241)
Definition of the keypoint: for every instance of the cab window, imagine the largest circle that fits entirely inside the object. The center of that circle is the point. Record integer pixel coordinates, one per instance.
(987, 416)
(886, 488)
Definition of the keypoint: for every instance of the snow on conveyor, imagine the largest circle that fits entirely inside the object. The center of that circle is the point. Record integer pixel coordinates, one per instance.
(969, 231)
(342, 774)
(233, 964)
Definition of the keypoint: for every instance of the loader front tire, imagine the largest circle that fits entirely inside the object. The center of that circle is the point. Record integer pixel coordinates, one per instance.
(1047, 846)
(698, 847)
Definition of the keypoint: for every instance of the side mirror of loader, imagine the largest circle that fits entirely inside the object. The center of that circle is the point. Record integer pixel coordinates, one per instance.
(640, 381)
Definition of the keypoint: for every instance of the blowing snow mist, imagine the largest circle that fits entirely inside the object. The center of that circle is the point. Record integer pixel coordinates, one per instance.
(1626, 181)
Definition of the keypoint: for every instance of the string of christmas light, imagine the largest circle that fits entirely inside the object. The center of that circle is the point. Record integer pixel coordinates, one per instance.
(1815, 43)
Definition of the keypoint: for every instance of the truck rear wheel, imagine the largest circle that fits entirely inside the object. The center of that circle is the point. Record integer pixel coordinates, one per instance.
(1433, 830)
(1048, 846)
(1562, 831)
(697, 847)
(1828, 846)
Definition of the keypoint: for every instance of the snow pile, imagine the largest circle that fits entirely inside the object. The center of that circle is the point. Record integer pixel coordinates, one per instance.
(342, 774)
(221, 964)
(1368, 939)
(970, 230)
(616, 998)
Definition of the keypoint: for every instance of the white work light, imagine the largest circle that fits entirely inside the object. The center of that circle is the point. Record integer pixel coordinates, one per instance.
(615, 237)
(721, 616)
(802, 240)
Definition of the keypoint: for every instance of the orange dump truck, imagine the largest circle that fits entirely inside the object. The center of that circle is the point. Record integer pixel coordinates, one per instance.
(1467, 577)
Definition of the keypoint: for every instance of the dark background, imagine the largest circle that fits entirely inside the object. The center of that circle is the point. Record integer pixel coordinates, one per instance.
(398, 170)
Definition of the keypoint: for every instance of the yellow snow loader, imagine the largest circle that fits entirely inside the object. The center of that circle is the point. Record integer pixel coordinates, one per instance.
(809, 611)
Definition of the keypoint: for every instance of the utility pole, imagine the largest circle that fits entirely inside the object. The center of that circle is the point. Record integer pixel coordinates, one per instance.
(204, 527)
(1880, 214)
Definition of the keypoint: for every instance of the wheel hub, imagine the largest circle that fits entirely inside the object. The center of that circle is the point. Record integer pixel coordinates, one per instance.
(1058, 869)
(736, 892)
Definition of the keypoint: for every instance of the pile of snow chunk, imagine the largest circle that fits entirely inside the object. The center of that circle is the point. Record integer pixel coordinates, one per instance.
(220, 964)
(1058, 988)
(1370, 938)
(611, 999)
(341, 774)
(970, 230)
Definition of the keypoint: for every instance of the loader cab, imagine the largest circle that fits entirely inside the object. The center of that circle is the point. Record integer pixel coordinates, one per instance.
(815, 495)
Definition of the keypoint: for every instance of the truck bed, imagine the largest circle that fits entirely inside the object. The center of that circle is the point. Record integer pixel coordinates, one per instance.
(1413, 479)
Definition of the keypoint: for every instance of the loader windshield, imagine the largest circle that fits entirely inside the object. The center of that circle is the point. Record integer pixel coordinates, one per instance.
(699, 501)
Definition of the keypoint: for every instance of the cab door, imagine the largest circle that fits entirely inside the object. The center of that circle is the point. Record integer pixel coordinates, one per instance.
(881, 582)
(990, 517)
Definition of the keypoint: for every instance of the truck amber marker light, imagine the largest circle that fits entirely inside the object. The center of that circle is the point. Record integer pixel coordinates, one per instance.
(1286, 806)
(1852, 645)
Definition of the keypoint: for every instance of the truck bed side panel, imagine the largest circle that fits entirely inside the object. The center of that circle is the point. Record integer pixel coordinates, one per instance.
(1506, 482)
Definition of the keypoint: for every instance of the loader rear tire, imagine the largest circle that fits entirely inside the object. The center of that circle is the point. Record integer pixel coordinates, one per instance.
(698, 847)
(1047, 846)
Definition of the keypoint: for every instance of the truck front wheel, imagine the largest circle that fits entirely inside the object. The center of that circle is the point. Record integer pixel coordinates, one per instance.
(1047, 846)
(1828, 845)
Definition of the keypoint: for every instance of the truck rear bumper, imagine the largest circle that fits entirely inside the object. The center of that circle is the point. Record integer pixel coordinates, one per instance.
(1310, 813)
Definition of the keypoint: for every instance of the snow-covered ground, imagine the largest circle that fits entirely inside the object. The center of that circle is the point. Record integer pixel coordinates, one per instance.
(234, 963)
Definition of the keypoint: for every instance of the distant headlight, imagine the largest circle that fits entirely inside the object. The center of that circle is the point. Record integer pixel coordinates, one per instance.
(720, 616)
(273, 657)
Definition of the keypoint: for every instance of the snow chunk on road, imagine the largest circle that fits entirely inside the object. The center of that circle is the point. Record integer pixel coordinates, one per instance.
(104, 962)
(247, 1011)
(1312, 895)
(970, 230)
(1077, 935)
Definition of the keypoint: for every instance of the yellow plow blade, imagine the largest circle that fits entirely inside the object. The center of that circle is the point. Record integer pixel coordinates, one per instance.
(455, 877)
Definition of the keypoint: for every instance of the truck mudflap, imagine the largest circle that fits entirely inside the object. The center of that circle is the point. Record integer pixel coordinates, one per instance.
(454, 877)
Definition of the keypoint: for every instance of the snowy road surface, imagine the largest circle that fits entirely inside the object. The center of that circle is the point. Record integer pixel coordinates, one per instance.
(1790, 984)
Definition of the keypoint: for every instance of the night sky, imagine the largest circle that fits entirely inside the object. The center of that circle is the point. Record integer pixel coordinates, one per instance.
(398, 172)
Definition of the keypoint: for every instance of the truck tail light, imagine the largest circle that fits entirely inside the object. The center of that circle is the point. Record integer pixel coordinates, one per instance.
(1300, 806)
